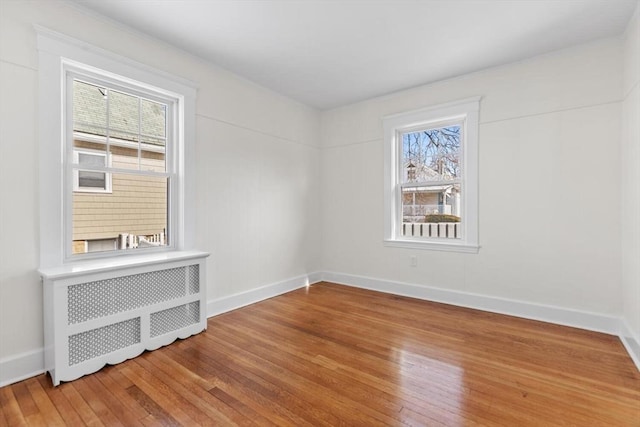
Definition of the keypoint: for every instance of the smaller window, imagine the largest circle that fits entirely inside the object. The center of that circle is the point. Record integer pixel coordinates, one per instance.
(431, 177)
(91, 181)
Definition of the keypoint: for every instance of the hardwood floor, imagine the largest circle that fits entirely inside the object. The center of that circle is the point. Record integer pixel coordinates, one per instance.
(334, 355)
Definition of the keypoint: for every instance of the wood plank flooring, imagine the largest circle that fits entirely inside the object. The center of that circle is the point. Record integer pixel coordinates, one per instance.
(332, 355)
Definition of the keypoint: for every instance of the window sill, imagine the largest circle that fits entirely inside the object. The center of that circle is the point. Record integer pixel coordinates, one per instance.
(432, 246)
(116, 263)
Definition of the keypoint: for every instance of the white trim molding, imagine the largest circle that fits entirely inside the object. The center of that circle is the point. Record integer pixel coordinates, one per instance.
(465, 113)
(544, 313)
(25, 365)
(631, 342)
(60, 56)
(241, 299)
(21, 366)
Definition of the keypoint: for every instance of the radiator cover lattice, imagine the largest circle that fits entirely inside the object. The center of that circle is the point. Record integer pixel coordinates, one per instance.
(101, 298)
(97, 342)
(194, 279)
(175, 318)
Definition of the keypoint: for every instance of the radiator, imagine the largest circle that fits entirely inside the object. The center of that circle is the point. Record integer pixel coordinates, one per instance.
(97, 315)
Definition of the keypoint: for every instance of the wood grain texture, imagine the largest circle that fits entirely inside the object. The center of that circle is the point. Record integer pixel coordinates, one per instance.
(333, 355)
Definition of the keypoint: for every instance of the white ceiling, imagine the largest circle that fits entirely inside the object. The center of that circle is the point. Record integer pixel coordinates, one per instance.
(327, 53)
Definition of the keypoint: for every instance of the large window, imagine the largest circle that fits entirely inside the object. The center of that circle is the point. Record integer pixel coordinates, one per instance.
(117, 164)
(431, 177)
(120, 140)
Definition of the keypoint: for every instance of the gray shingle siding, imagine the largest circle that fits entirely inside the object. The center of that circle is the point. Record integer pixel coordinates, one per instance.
(90, 115)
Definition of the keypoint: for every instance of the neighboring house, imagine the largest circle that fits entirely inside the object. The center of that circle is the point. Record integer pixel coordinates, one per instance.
(110, 205)
(418, 201)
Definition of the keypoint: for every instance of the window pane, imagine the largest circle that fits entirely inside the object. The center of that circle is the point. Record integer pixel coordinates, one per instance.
(432, 211)
(118, 211)
(124, 116)
(89, 109)
(153, 136)
(133, 215)
(124, 130)
(431, 154)
(88, 159)
(92, 180)
(431, 160)
(89, 122)
(154, 121)
(136, 129)
(149, 158)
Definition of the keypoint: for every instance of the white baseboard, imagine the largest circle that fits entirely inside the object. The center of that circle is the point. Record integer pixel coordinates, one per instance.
(232, 302)
(562, 316)
(611, 325)
(631, 342)
(21, 366)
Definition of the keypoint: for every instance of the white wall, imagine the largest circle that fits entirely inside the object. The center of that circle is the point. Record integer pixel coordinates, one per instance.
(258, 169)
(549, 184)
(631, 179)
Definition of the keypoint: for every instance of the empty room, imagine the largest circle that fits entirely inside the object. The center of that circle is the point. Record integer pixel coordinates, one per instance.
(320, 212)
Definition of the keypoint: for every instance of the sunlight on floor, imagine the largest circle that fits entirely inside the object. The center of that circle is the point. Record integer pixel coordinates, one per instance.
(442, 382)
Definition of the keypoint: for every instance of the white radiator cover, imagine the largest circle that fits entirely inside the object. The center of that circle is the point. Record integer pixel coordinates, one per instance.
(97, 313)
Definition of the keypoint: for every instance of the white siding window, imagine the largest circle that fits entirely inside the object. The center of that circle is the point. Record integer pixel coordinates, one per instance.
(431, 177)
(87, 180)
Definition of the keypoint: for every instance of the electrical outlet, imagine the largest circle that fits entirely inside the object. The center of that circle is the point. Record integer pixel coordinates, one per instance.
(413, 261)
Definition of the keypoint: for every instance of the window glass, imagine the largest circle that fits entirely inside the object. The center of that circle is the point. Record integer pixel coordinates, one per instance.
(431, 177)
(92, 180)
(86, 180)
(121, 181)
(89, 108)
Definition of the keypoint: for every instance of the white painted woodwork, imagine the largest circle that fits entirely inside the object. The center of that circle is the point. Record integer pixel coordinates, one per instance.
(462, 111)
(630, 184)
(87, 326)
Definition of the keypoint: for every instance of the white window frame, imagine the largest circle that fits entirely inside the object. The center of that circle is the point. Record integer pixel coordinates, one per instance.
(76, 172)
(60, 55)
(100, 78)
(464, 112)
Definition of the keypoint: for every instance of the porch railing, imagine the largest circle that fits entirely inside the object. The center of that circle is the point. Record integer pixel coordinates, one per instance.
(446, 230)
(422, 210)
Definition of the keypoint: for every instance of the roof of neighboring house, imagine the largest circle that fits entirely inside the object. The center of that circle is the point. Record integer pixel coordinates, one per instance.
(128, 116)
